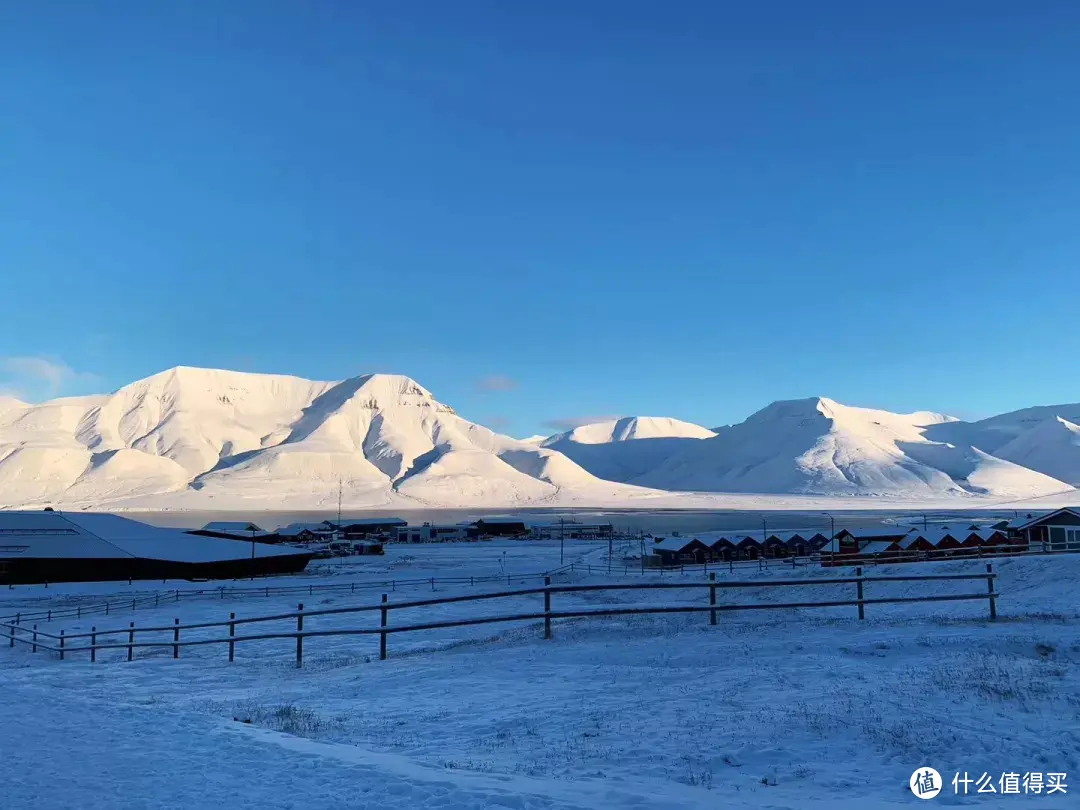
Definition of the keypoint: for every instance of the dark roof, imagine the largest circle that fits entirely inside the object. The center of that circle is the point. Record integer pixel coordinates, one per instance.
(371, 521)
(231, 526)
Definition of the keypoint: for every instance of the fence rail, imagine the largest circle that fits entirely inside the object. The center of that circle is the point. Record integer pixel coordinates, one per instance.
(826, 559)
(226, 592)
(32, 636)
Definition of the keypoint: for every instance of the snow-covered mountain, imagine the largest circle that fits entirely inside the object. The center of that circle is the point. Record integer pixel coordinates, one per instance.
(205, 439)
(624, 449)
(1044, 438)
(821, 447)
(208, 437)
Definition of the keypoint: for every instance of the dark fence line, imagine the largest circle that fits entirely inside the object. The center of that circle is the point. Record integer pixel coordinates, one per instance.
(226, 592)
(18, 632)
(827, 559)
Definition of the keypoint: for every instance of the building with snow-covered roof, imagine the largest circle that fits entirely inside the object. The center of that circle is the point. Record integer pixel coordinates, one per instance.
(244, 526)
(1055, 531)
(671, 551)
(360, 528)
(94, 546)
(306, 532)
(231, 529)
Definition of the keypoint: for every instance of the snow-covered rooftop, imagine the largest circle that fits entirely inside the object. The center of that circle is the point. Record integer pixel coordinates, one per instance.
(230, 526)
(97, 535)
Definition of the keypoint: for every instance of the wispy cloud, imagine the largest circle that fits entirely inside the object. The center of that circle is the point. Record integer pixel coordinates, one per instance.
(496, 382)
(498, 423)
(571, 422)
(39, 377)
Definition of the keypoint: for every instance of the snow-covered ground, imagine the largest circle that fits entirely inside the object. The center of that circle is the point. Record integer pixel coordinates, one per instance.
(778, 709)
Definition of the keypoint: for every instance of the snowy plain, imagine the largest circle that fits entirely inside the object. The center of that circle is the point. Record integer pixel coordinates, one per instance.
(769, 709)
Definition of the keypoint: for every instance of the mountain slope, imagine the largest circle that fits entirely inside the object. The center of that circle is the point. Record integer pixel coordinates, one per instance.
(623, 449)
(1045, 438)
(216, 436)
(821, 447)
(206, 439)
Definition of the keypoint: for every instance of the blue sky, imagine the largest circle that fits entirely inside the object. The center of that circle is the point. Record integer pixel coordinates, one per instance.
(551, 211)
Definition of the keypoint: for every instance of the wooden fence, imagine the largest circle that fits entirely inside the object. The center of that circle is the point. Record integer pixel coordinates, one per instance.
(827, 560)
(17, 631)
(116, 605)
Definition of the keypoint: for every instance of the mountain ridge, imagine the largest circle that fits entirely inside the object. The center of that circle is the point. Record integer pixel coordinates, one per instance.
(197, 438)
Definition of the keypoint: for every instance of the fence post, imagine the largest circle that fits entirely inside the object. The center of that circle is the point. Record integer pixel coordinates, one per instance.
(232, 632)
(93, 644)
(712, 597)
(78, 612)
(106, 608)
(176, 638)
(61, 645)
(433, 583)
(353, 588)
(547, 607)
(300, 635)
(862, 609)
(177, 594)
(156, 597)
(268, 590)
(48, 618)
(132, 604)
(11, 632)
(382, 635)
(131, 638)
(731, 565)
(35, 639)
(990, 590)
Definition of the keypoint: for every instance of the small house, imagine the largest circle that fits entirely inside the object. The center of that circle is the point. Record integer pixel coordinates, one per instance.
(722, 549)
(233, 530)
(774, 546)
(359, 528)
(306, 532)
(1057, 531)
(675, 551)
(747, 547)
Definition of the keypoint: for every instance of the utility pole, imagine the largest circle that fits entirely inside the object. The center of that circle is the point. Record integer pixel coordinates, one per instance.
(562, 539)
(924, 522)
(832, 525)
